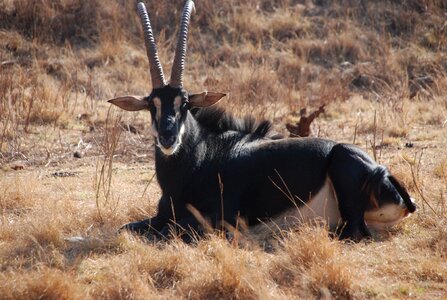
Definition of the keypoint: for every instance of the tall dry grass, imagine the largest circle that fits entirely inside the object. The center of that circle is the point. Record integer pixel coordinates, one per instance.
(73, 171)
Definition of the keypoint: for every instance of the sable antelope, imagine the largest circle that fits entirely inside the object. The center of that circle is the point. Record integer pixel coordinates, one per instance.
(227, 168)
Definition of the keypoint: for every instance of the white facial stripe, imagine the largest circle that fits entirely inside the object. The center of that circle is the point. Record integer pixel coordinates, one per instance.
(153, 130)
(176, 145)
(385, 216)
(181, 133)
(373, 201)
(157, 103)
(177, 103)
(169, 151)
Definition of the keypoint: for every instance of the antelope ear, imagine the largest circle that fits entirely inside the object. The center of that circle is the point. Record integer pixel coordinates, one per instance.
(205, 99)
(130, 103)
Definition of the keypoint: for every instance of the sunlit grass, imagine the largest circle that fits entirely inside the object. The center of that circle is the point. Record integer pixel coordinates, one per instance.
(71, 172)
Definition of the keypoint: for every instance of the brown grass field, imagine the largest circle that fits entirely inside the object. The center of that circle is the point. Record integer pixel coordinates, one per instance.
(73, 169)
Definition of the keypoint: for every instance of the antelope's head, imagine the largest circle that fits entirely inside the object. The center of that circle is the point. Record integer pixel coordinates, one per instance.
(389, 203)
(168, 103)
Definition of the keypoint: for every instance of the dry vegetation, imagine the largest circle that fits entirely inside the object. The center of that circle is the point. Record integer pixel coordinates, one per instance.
(71, 167)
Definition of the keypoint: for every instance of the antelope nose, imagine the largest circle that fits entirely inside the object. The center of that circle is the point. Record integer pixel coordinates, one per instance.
(167, 141)
(411, 205)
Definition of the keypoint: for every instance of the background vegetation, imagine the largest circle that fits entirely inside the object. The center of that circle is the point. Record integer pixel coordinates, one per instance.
(73, 169)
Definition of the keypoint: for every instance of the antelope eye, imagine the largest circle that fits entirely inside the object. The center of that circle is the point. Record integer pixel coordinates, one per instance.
(184, 105)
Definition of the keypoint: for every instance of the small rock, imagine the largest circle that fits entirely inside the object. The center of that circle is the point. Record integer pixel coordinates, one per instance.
(75, 239)
(324, 294)
(18, 167)
(77, 154)
(64, 174)
(346, 64)
(83, 116)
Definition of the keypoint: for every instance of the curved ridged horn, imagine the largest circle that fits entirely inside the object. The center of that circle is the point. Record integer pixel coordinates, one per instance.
(180, 52)
(158, 79)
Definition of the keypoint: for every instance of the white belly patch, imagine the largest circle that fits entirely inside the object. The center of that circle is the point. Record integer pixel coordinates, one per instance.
(323, 206)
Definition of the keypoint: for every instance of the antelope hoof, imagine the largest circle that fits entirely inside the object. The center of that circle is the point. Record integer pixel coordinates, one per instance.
(140, 227)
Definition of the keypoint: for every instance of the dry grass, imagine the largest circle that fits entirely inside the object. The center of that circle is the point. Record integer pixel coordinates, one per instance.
(73, 171)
